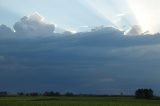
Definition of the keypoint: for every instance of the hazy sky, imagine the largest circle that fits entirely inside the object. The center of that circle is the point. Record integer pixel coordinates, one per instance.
(115, 56)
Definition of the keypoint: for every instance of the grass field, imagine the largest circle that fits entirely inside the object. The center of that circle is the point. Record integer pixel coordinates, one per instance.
(76, 101)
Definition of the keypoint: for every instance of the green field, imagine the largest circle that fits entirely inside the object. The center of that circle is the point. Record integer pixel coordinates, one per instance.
(76, 101)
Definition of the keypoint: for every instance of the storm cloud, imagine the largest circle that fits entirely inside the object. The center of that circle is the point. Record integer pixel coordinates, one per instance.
(105, 60)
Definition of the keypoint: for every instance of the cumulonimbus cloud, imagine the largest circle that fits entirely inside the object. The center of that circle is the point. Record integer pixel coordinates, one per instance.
(87, 57)
(33, 25)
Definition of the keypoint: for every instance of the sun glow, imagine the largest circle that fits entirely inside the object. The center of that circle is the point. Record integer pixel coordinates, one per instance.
(127, 13)
(147, 14)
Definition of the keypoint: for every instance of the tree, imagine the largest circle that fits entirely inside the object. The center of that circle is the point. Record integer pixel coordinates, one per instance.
(20, 94)
(69, 94)
(32, 94)
(3, 93)
(144, 93)
(51, 93)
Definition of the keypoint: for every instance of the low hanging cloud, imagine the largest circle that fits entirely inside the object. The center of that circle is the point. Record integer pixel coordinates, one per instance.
(134, 30)
(103, 60)
(5, 31)
(33, 25)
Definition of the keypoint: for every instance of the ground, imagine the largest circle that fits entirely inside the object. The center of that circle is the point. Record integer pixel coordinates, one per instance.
(76, 101)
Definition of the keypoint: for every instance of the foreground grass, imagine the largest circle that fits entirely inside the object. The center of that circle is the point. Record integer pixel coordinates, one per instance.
(76, 101)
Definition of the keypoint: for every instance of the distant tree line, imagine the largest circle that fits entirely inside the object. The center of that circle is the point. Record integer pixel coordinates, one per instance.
(144, 93)
(47, 93)
(3, 93)
(51, 93)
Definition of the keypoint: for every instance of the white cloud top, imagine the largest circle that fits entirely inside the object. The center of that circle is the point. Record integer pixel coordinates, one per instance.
(34, 25)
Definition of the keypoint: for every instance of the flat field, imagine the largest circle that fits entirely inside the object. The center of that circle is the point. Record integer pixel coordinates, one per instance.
(76, 101)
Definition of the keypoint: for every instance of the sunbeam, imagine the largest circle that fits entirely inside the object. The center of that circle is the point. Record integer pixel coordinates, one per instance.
(120, 15)
(146, 13)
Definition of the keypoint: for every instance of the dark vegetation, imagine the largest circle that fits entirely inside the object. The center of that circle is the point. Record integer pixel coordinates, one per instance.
(3, 93)
(51, 93)
(139, 94)
(144, 93)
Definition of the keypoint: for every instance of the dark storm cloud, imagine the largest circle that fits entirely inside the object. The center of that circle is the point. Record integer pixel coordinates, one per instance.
(5, 31)
(99, 61)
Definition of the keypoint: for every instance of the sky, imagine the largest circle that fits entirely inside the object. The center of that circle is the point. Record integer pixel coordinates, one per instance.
(81, 46)
(77, 14)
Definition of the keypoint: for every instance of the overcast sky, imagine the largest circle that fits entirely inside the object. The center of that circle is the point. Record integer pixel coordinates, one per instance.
(87, 46)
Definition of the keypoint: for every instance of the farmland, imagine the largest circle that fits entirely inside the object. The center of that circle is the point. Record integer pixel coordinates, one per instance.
(75, 101)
